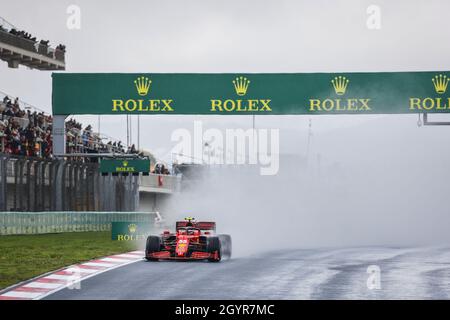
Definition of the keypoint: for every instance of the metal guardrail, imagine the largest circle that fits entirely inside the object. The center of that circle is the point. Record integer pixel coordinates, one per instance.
(20, 223)
(37, 185)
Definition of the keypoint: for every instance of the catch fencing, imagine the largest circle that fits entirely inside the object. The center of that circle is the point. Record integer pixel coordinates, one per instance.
(20, 223)
(36, 185)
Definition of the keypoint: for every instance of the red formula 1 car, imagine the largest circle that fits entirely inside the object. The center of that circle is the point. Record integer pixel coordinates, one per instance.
(191, 241)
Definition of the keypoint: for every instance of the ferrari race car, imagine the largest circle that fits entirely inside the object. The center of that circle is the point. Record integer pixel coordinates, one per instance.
(191, 241)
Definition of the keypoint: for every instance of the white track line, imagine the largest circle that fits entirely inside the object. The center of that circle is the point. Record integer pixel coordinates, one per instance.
(43, 285)
(113, 260)
(141, 253)
(22, 294)
(85, 278)
(126, 255)
(75, 270)
(98, 264)
(38, 288)
(59, 277)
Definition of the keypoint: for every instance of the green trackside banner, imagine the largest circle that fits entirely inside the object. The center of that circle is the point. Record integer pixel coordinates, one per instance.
(260, 94)
(130, 231)
(124, 166)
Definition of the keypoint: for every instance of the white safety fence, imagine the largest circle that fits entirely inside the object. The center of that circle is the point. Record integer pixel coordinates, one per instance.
(20, 223)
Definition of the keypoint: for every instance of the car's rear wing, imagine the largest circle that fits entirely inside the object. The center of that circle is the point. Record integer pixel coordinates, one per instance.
(202, 225)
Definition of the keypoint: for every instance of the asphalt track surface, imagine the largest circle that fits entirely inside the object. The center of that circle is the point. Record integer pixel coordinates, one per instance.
(405, 273)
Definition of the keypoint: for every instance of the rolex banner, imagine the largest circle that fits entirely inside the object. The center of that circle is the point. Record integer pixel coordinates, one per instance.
(124, 166)
(130, 231)
(261, 94)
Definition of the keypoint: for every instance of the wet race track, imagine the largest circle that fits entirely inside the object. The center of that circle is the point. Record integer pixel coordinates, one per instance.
(405, 273)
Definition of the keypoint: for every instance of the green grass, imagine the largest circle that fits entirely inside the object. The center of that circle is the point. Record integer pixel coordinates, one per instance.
(24, 257)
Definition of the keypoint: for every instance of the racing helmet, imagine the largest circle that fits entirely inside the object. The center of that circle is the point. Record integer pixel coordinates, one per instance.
(189, 221)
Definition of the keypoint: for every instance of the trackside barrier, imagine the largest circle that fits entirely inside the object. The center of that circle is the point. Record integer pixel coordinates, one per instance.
(21, 223)
(30, 184)
(39, 185)
(160, 183)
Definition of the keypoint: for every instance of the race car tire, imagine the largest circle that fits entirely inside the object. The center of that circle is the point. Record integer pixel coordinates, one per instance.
(213, 246)
(153, 245)
(225, 245)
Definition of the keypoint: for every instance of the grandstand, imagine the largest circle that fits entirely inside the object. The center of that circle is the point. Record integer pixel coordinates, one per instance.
(33, 179)
(25, 130)
(18, 47)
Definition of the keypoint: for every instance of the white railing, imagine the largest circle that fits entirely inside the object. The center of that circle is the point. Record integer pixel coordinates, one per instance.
(160, 183)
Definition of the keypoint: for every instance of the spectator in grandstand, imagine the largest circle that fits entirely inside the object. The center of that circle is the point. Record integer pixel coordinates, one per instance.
(61, 48)
(164, 170)
(22, 34)
(7, 112)
(86, 137)
(120, 148)
(132, 149)
(161, 169)
(28, 133)
(3, 125)
(41, 46)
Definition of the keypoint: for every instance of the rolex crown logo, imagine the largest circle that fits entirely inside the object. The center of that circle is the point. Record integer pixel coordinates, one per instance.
(132, 228)
(241, 85)
(440, 83)
(125, 163)
(340, 85)
(142, 85)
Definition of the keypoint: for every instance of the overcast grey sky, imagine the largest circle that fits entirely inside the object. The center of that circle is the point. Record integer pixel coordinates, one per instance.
(234, 36)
